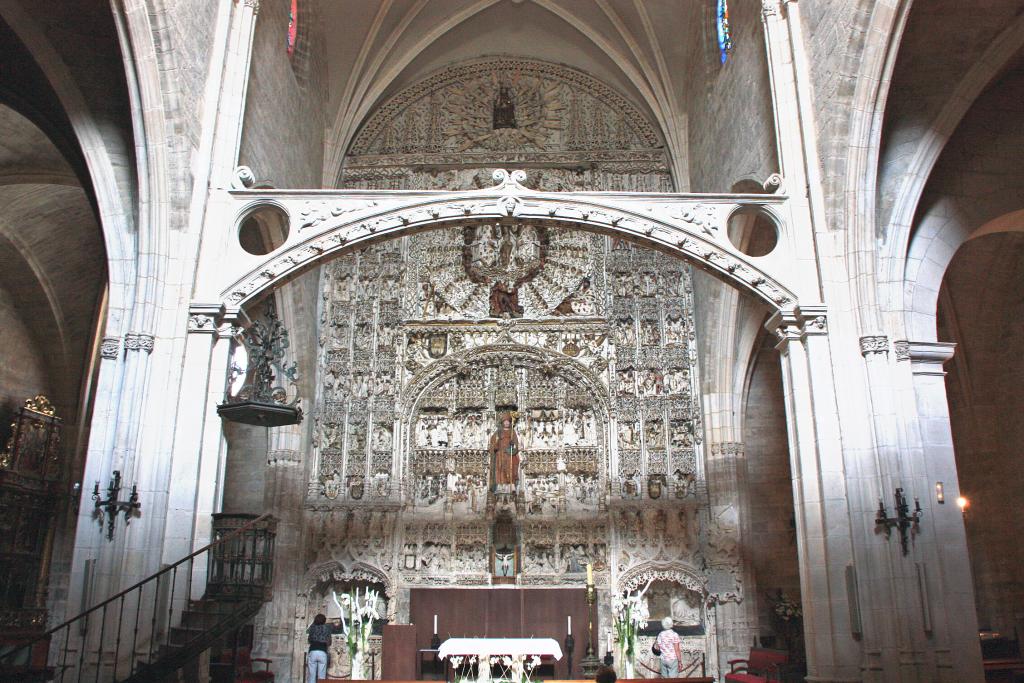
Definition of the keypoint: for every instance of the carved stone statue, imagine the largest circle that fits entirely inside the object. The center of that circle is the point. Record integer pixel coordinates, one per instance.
(503, 448)
(505, 301)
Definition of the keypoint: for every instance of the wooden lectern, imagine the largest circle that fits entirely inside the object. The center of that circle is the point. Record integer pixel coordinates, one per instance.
(398, 652)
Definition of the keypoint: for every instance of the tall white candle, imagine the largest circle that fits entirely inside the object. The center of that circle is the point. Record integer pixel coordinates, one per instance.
(569, 624)
(435, 623)
(590, 574)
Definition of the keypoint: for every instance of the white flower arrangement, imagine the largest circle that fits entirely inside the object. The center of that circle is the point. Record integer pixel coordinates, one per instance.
(630, 615)
(362, 611)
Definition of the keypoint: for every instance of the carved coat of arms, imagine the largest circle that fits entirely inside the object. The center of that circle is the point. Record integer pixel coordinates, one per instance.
(437, 345)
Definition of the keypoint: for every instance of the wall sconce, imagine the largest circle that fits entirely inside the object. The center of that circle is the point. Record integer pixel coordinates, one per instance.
(903, 520)
(111, 506)
(940, 493)
(963, 503)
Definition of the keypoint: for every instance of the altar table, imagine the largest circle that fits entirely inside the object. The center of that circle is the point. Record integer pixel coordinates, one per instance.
(543, 647)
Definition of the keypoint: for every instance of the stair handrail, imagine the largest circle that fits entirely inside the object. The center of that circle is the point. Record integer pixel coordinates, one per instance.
(171, 567)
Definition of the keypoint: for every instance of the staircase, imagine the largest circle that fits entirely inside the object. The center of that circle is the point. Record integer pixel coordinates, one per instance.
(203, 623)
(151, 630)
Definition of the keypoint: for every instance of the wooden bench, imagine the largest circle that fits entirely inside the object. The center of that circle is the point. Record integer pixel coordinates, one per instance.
(761, 665)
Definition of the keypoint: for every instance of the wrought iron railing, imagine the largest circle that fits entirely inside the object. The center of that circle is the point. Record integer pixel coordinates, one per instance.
(153, 627)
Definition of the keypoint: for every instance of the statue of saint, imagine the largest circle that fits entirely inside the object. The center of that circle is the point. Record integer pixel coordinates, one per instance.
(503, 448)
(504, 301)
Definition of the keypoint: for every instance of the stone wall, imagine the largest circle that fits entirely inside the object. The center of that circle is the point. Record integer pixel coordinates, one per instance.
(245, 468)
(730, 107)
(27, 376)
(834, 31)
(772, 542)
(282, 136)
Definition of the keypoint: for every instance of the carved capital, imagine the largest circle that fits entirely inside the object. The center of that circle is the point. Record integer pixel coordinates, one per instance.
(283, 456)
(229, 331)
(204, 318)
(770, 8)
(109, 347)
(927, 358)
(726, 448)
(139, 341)
(902, 348)
(874, 344)
(797, 324)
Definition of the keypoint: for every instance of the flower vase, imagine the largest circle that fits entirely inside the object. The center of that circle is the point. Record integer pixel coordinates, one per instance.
(629, 664)
(358, 659)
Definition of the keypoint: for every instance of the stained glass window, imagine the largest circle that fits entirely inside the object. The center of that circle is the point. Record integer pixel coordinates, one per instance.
(293, 26)
(724, 32)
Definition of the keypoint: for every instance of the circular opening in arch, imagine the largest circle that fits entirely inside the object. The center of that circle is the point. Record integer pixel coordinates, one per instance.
(753, 231)
(263, 230)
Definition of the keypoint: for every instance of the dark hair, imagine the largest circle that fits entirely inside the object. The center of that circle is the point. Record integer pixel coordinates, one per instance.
(320, 620)
(605, 674)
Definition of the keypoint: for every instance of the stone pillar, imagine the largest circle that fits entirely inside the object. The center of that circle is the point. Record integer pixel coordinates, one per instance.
(911, 604)
(733, 587)
(283, 497)
(873, 474)
(946, 586)
(197, 463)
(820, 498)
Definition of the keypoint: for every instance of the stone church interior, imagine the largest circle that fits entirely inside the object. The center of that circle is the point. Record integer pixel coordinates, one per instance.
(517, 338)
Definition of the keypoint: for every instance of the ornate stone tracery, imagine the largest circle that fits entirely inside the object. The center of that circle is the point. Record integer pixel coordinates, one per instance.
(415, 367)
(446, 130)
(508, 307)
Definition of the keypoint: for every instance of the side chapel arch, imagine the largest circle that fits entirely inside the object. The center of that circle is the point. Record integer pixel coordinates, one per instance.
(354, 572)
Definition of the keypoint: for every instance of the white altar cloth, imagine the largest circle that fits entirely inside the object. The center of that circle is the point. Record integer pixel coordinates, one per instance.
(500, 646)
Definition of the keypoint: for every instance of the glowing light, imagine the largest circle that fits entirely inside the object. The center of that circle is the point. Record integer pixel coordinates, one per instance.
(962, 503)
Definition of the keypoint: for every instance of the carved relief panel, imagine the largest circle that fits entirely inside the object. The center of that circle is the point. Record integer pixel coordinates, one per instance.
(444, 131)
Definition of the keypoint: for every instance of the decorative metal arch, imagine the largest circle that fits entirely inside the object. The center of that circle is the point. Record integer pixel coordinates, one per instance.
(325, 225)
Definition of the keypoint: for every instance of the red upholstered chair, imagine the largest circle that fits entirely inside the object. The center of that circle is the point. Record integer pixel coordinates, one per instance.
(244, 668)
(760, 666)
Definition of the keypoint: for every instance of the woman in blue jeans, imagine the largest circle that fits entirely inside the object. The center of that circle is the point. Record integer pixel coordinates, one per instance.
(319, 633)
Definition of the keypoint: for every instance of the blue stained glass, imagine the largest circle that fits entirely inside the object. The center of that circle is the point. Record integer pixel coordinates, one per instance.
(724, 32)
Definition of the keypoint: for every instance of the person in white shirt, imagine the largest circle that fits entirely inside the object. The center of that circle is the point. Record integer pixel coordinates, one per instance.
(668, 643)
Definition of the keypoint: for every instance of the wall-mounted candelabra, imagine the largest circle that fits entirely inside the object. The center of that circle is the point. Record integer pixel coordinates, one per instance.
(111, 506)
(904, 519)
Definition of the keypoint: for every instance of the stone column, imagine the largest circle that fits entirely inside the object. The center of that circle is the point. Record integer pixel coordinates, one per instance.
(733, 587)
(197, 462)
(946, 588)
(890, 642)
(820, 498)
(283, 497)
